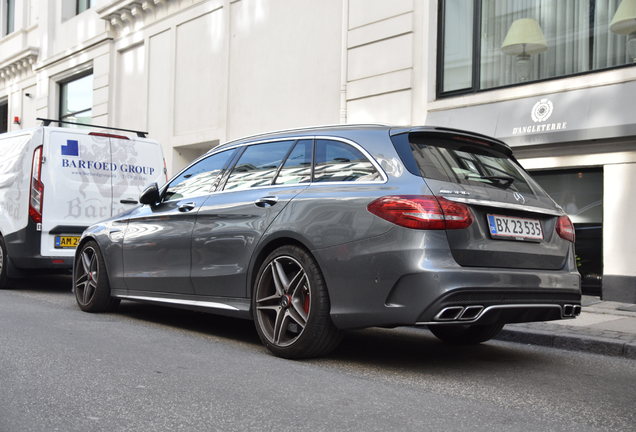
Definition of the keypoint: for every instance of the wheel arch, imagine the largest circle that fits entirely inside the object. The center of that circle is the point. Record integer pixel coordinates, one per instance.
(266, 247)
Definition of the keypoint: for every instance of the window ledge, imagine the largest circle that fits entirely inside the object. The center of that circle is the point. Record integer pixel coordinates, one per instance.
(594, 79)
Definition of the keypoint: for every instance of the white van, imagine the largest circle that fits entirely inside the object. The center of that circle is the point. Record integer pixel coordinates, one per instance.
(55, 182)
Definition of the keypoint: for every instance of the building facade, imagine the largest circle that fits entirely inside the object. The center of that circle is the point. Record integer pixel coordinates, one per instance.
(555, 79)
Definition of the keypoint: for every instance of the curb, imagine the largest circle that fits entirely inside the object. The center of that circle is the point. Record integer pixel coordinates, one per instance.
(571, 342)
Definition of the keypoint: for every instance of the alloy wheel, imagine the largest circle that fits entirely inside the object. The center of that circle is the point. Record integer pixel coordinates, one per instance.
(283, 300)
(87, 275)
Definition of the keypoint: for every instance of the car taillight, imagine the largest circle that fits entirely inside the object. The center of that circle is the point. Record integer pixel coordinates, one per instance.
(565, 229)
(422, 212)
(36, 195)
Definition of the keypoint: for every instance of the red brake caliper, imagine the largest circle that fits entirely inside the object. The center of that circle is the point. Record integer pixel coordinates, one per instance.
(306, 302)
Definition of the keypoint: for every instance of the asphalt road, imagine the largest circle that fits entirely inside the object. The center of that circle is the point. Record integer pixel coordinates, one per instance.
(149, 368)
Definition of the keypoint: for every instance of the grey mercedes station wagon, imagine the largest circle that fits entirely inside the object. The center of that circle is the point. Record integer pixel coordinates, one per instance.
(309, 232)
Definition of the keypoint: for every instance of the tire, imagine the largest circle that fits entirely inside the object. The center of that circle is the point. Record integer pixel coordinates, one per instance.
(466, 334)
(90, 280)
(4, 265)
(291, 306)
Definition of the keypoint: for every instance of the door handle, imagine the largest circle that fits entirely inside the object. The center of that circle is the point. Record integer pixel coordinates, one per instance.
(128, 201)
(267, 201)
(186, 207)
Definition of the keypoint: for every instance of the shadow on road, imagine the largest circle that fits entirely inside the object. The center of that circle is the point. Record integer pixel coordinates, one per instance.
(407, 348)
(46, 283)
(404, 347)
(410, 348)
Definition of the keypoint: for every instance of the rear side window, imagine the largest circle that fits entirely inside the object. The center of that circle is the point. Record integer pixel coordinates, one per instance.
(340, 162)
(462, 162)
(258, 165)
(297, 167)
(200, 178)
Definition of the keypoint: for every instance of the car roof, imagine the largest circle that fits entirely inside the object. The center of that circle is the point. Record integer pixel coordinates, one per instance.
(343, 130)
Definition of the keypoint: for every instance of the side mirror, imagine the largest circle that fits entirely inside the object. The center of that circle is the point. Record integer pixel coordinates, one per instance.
(150, 195)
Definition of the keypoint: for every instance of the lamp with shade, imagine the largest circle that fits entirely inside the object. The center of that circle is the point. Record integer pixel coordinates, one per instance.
(624, 23)
(523, 39)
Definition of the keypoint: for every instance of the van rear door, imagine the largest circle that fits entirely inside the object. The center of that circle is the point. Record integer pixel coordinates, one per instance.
(77, 176)
(138, 162)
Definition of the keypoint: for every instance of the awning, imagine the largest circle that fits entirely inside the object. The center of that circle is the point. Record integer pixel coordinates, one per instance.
(577, 115)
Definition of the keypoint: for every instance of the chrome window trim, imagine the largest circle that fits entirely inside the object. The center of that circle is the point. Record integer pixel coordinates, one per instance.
(207, 304)
(499, 204)
(357, 146)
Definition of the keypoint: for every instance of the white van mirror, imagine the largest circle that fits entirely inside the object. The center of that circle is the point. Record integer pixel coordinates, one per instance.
(150, 195)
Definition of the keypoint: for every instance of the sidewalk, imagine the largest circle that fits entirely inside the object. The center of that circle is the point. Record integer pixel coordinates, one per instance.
(603, 327)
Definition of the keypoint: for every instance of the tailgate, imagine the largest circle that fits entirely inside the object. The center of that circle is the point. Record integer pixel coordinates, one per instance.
(514, 220)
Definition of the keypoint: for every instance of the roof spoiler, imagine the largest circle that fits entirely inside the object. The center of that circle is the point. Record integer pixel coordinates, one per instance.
(47, 122)
(474, 137)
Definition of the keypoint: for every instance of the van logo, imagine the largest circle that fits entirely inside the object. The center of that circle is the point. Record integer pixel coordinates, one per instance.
(71, 148)
(519, 197)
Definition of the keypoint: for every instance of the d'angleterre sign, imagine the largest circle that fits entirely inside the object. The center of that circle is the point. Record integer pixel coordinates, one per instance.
(540, 113)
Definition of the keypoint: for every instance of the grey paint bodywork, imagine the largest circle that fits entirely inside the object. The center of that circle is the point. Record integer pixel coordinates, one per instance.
(377, 273)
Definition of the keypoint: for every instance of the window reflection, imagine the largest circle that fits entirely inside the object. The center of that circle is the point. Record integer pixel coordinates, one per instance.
(258, 165)
(340, 162)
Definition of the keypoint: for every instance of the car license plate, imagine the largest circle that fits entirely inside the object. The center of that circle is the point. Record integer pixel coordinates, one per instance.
(514, 228)
(64, 242)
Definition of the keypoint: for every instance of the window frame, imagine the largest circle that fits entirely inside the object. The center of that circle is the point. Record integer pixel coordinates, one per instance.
(8, 14)
(476, 58)
(66, 81)
(215, 187)
(243, 145)
(89, 4)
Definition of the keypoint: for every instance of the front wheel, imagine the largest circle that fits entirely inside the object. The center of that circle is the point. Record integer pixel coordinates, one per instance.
(466, 334)
(291, 306)
(90, 281)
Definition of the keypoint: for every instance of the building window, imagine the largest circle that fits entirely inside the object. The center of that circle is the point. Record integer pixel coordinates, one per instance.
(4, 116)
(82, 5)
(9, 16)
(485, 44)
(76, 99)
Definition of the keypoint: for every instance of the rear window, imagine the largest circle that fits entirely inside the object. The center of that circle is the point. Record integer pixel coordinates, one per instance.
(439, 157)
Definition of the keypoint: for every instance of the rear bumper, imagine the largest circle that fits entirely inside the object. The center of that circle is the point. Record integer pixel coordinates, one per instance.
(391, 281)
(23, 249)
(485, 295)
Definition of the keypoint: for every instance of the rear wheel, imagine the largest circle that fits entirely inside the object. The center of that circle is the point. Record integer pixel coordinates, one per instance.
(466, 334)
(4, 264)
(291, 306)
(90, 281)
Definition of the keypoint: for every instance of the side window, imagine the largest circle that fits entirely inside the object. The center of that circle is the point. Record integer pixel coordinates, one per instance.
(200, 178)
(297, 167)
(257, 166)
(340, 162)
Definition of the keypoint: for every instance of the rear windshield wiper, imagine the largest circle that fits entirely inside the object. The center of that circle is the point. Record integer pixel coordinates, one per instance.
(504, 181)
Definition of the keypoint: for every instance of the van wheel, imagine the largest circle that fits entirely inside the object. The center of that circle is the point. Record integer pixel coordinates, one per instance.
(90, 281)
(291, 306)
(4, 264)
(466, 334)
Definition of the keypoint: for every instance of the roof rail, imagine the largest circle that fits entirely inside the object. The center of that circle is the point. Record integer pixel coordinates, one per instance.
(46, 122)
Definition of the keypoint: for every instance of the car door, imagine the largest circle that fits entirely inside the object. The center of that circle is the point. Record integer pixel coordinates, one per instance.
(156, 247)
(230, 223)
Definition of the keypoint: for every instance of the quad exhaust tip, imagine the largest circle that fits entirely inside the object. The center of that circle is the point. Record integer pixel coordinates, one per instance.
(473, 312)
(459, 313)
(571, 311)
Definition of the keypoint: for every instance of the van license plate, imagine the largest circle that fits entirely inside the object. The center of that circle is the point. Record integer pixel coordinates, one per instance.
(66, 242)
(514, 228)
